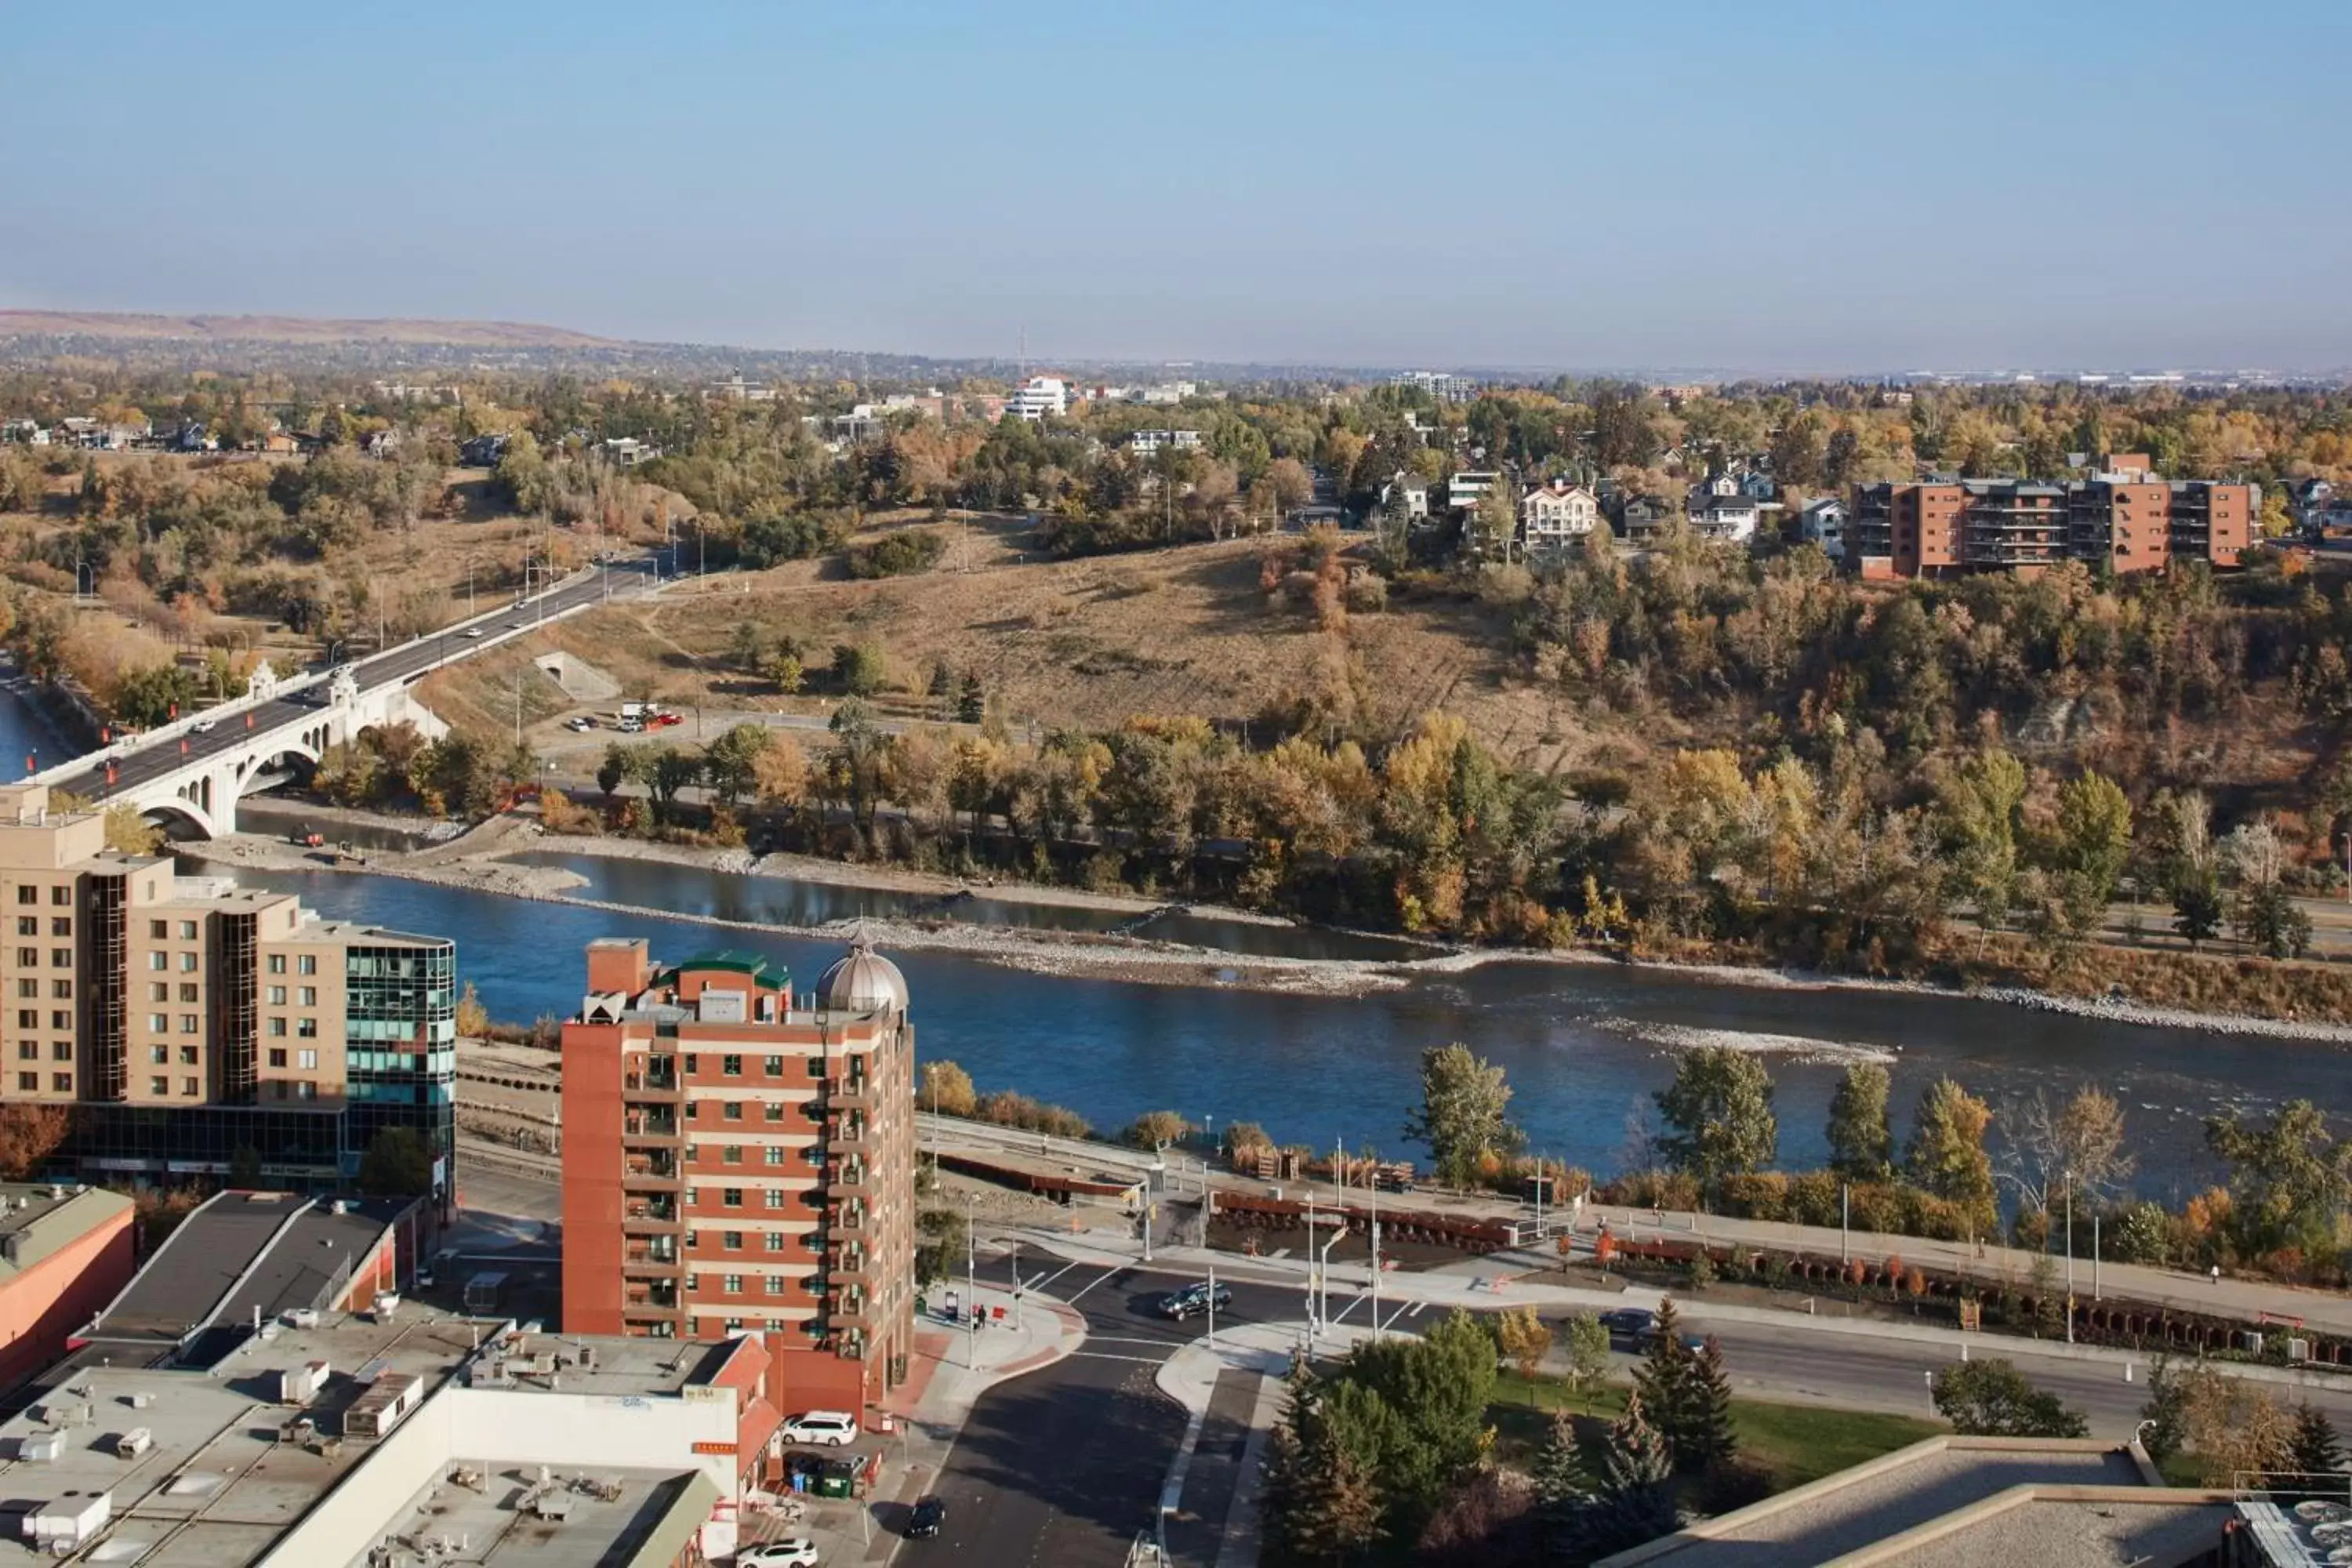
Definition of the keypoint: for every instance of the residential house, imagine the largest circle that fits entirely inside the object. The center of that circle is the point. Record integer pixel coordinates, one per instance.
(23, 433)
(1552, 516)
(2311, 499)
(1757, 484)
(1143, 443)
(1731, 518)
(482, 451)
(1416, 496)
(1822, 523)
(627, 451)
(382, 444)
(280, 444)
(1643, 518)
(1464, 489)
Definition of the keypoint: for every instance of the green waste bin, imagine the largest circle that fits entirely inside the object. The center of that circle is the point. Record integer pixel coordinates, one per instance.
(833, 1485)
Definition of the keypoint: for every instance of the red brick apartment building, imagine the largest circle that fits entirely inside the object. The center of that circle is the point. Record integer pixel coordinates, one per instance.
(738, 1157)
(2123, 517)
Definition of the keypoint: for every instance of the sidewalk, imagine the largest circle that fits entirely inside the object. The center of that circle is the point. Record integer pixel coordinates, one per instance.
(1232, 1392)
(2244, 1299)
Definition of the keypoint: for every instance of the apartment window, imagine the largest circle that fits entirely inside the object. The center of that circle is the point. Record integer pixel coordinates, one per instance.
(62, 1082)
(730, 1197)
(730, 1110)
(159, 992)
(188, 992)
(733, 1240)
(775, 1197)
(731, 1065)
(61, 1051)
(156, 930)
(60, 1018)
(28, 990)
(308, 964)
(307, 1061)
(731, 1284)
(28, 925)
(187, 930)
(61, 989)
(731, 1154)
(306, 1028)
(187, 1023)
(775, 1241)
(61, 895)
(187, 963)
(775, 1111)
(278, 1027)
(306, 995)
(28, 958)
(28, 1082)
(158, 1085)
(28, 1050)
(277, 1056)
(159, 1023)
(159, 961)
(28, 1018)
(61, 958)
(191, 1087)
(187, 1056)
(694, 1282)
(775, 1067)
(158, 1056)
(278, 996)
(305, 1089)
(277, 964)
(775, 1153)
(693, 1063)
(775, 1284)
(61, 925)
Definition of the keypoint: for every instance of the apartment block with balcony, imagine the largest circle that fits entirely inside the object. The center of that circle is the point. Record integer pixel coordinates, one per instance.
(2122, 517)
(189, 1021)
(740, 1157)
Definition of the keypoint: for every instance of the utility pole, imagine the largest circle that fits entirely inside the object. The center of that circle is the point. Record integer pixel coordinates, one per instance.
(971, 1285)
(2070, 1256)
(1376, 1260)
(1846, 1220)
(1312, 1323)
(1212, 1305)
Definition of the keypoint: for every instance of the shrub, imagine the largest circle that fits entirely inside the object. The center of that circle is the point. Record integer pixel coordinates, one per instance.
(1730, 1484)
(896, 554)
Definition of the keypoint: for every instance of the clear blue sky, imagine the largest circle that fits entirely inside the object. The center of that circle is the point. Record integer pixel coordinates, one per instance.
(1798, 186)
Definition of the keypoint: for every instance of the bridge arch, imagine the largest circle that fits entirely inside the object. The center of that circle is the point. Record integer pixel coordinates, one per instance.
(173, 812)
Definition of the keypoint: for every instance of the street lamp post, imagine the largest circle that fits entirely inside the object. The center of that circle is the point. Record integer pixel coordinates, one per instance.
(2070, 1256)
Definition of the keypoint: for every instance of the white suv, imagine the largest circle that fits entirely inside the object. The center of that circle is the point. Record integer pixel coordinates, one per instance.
(834, 1427)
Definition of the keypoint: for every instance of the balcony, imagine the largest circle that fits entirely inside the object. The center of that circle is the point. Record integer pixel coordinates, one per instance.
(846, 1095)
(660, 1086)
(849, 1138)
(656, 1123)
(848, 1267)
(659, 1296)
(846, 1180)
(660, 1254)
(845, 1314)
(657, 1169)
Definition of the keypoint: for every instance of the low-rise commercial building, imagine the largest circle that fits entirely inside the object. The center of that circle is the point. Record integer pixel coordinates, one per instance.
(65, 1252)
(738, 1156)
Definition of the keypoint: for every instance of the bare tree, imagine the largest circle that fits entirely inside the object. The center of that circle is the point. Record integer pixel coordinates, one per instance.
(2081, 1141)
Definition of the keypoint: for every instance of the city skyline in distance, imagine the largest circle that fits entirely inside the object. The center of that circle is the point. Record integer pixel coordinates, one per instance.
(1837, 190)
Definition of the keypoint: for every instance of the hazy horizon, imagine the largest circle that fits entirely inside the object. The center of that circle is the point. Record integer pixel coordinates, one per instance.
(1841, 189)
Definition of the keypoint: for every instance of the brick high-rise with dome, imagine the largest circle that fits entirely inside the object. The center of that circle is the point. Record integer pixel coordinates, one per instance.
(738, 1157)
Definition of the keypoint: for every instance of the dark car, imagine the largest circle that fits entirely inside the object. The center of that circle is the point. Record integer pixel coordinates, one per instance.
(924, 1522)
(1691, 1342)
(1634, 1320)
(1192, 1300)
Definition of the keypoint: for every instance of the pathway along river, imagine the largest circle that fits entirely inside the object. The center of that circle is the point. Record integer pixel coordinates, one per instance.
(1584, 1044)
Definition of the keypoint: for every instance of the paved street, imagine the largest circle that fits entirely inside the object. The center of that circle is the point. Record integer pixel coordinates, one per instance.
(405, 662)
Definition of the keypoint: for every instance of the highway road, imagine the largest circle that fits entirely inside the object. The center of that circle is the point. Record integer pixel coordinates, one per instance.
(406, 661)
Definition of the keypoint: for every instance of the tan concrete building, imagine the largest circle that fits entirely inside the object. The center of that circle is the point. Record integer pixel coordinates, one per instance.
(740, 1156)
(173, 1009)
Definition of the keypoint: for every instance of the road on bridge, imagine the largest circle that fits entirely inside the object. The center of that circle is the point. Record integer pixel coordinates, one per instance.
(137, 764)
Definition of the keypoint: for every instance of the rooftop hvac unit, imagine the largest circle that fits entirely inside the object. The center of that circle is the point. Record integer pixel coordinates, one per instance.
(133, 1443)
(2298, 1350)
(42, 1448)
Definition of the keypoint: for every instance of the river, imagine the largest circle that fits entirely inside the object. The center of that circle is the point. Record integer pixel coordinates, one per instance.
(1584, 1045)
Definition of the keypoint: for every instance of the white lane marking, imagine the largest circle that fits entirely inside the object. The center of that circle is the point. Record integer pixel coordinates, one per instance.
(1094, 1281)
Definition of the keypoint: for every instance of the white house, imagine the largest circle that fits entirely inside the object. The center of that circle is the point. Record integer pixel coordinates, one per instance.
(1733, 518)
(1143, 443)
(1822, 523)
(1464, 489)
(1416, 496)
(1553, 515)
(1039, 396)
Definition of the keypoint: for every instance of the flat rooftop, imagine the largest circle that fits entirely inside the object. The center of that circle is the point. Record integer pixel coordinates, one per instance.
(37, 1219)
(216, 1486)
(611, 1364)
(2080, 1532)
(1875, 1501)
(605, 1515)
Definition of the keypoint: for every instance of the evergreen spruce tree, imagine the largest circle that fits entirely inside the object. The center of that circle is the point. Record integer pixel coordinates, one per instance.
(1563, 1487)
(1663, 1380)
(1634, 1501)
(2317, 1451)
(1706, 1437)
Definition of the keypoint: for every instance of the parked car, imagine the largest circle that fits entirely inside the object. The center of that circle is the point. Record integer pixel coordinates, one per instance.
(663, 721)
(1192, 1300)
(822, 1428)
(792, 1551)
(580, 722)
(924, 1522)
(632, 726)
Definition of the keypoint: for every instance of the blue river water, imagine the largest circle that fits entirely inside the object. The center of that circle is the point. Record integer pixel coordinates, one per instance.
(1584, 1045)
